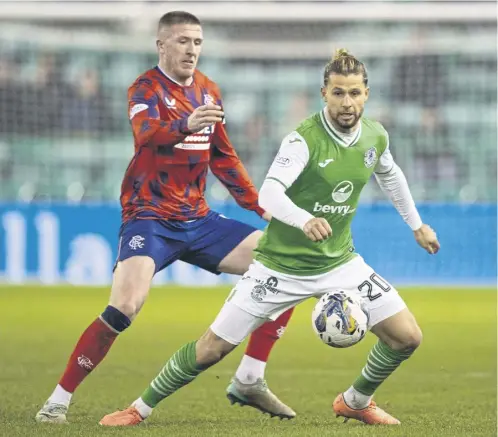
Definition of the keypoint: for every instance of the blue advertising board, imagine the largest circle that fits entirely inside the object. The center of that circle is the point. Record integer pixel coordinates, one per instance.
(77, 244)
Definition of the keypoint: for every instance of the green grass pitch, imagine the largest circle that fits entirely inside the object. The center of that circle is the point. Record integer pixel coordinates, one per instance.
(448, 388)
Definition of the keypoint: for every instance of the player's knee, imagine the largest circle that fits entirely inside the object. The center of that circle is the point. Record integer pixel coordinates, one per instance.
(414, 339)
(115, 318)
(129, 308)
(128, 300)
(131, 283)
(211, 349)
(411, 340)
(208, 356)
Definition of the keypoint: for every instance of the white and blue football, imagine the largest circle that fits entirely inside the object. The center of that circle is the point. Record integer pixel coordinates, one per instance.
(340, 319)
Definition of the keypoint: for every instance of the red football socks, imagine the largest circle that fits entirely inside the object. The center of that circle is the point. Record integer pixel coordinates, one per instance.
(90, 350)
(262, 340)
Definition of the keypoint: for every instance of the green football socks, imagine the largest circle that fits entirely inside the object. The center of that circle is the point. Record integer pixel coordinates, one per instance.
(180, 369)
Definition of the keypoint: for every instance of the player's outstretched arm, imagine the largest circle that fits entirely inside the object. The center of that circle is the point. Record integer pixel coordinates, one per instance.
(228, 168)
(393, 183)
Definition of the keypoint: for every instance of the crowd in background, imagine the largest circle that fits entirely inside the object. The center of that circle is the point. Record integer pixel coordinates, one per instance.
(440, 111)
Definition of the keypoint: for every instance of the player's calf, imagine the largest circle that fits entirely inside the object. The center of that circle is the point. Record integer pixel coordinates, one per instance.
(93, 346)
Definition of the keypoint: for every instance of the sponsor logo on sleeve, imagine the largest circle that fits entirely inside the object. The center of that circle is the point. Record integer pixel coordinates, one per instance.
(283, 161)
(139, 107)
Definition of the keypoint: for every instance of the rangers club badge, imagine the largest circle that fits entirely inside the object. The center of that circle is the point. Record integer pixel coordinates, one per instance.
(370, 157)
(208, 99)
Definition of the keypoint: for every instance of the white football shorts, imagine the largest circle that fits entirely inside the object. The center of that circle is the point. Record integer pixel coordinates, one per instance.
(263, 294)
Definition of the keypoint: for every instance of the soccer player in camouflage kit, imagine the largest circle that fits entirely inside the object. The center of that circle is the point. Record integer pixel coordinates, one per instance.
(312, 190)
(178, 125)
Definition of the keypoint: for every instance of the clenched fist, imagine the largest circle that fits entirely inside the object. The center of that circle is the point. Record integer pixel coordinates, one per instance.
(203, 116)
(427, 239)
(317, 229)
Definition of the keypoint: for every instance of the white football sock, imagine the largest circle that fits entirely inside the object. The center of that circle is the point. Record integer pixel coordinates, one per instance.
(144, 410)
(250, 369)
(60, 396)
(356, 400)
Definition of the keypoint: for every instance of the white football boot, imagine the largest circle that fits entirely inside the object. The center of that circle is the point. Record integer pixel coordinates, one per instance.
(259, 396)
(52, 413)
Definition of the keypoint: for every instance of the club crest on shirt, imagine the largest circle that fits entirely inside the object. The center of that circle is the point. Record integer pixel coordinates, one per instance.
(370, 157)
(208, 99)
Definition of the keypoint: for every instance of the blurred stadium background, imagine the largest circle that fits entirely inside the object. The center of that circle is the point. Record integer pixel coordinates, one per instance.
(65, 140)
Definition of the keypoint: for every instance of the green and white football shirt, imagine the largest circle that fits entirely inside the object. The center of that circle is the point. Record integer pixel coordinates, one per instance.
(323, 176)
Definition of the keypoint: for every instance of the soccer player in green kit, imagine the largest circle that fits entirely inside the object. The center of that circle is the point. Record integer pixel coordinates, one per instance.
(312, 190)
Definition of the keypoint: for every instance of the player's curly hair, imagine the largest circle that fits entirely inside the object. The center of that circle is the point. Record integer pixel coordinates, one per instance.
(344, 63)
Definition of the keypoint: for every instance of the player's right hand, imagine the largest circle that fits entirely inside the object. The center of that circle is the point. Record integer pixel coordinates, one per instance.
(203, 116)
(317, 229)
(427, 238)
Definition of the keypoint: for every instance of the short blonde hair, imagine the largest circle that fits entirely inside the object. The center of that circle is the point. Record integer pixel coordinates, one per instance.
(344, 63)
(177, 17)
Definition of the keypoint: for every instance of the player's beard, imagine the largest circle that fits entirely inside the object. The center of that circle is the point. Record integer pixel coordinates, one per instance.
(348, 123)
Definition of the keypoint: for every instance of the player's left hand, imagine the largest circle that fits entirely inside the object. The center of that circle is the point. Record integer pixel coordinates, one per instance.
(267, 216)
(427, 238)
